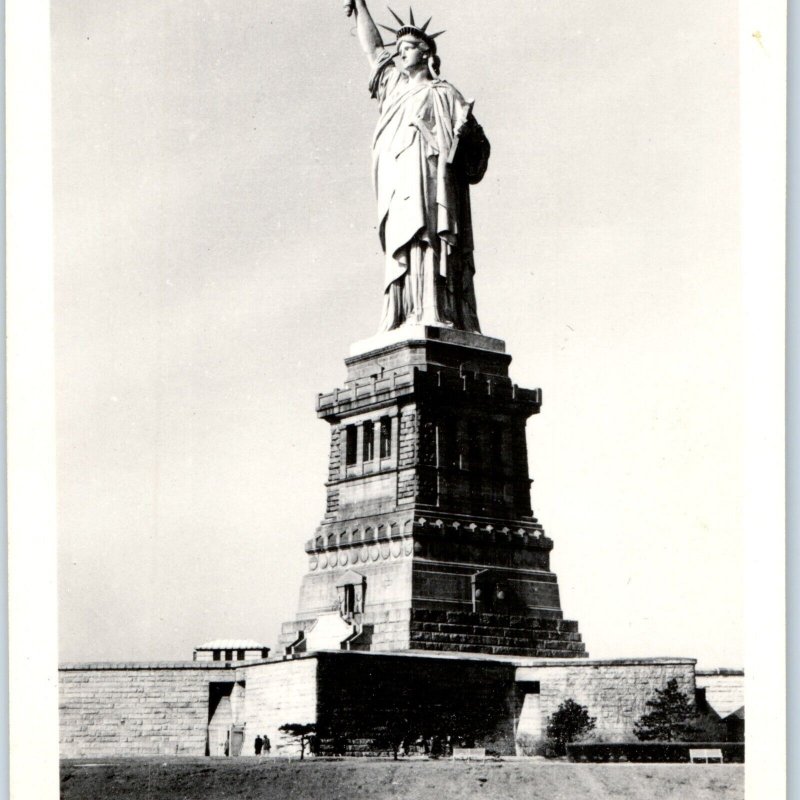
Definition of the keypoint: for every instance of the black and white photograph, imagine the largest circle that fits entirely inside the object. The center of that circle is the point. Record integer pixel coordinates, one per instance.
(396, 400)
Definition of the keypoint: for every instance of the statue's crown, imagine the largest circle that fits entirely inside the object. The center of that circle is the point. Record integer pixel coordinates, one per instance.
(410, 29)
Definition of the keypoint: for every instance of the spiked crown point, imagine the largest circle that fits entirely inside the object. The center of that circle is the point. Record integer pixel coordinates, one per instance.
(411, 28)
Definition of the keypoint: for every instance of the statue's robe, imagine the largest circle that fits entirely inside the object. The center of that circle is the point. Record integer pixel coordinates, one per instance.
(424, 217)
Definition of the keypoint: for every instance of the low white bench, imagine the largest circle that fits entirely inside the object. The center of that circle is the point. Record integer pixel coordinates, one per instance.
(469, 752)
(705, 755)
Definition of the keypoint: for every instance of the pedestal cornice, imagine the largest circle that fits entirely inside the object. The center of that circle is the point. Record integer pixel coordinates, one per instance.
(426, 333)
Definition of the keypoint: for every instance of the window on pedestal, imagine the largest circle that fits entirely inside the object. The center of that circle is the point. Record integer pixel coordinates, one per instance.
(351, 445)
(351, 598)
(496, 446)
(474, 449)
(475, 465)
(462, 444)
(447, 443)
(229, 655)
(386, 437)
(240, 655)
(368, 449)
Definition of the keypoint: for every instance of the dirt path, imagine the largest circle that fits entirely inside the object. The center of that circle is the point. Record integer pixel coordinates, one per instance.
(353, 779)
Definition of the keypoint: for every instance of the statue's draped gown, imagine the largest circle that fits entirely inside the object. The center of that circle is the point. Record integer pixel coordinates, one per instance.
(423, 202)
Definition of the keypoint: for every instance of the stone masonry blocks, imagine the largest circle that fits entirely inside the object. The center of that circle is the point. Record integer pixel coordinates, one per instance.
(616, 692)
(278, 694)
(142, 711)
(445, 488)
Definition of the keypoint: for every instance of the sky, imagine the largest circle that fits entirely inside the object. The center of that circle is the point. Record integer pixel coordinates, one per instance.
(216, 255)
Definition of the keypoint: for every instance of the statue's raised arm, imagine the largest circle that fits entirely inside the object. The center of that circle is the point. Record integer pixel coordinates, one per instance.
(368, 34)
(426, 151)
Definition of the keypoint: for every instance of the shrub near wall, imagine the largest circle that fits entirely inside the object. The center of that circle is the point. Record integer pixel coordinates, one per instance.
(667, 752)
(615, 691)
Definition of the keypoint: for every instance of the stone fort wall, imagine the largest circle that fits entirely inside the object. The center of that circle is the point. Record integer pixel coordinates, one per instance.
(163, 709)
(362, 695)
(614, 691)
(724, 689)
(136, 709)
(278, 693)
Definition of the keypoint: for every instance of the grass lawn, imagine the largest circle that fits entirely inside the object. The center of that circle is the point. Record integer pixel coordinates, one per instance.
(350, 779)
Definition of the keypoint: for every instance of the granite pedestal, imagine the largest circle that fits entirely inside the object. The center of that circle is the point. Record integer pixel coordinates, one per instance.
(429, 541)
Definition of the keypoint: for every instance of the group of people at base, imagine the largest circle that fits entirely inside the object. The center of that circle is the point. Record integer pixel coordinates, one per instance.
(263, 745)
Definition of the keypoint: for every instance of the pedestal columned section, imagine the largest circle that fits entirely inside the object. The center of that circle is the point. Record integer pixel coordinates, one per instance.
(428, 540)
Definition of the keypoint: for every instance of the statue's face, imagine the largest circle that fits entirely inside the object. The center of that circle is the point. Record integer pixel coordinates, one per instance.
(412, 52)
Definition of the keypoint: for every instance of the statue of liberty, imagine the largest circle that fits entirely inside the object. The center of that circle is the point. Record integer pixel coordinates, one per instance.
(426, 151)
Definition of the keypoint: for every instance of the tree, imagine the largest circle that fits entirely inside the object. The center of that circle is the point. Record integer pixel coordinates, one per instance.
(305, 732)
(401, 729)
(671, 717)
(397, 733)
(569, 722)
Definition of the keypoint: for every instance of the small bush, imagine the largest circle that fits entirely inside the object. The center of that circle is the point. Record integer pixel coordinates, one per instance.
(708, 729)
(569, 723)
(304, 733)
